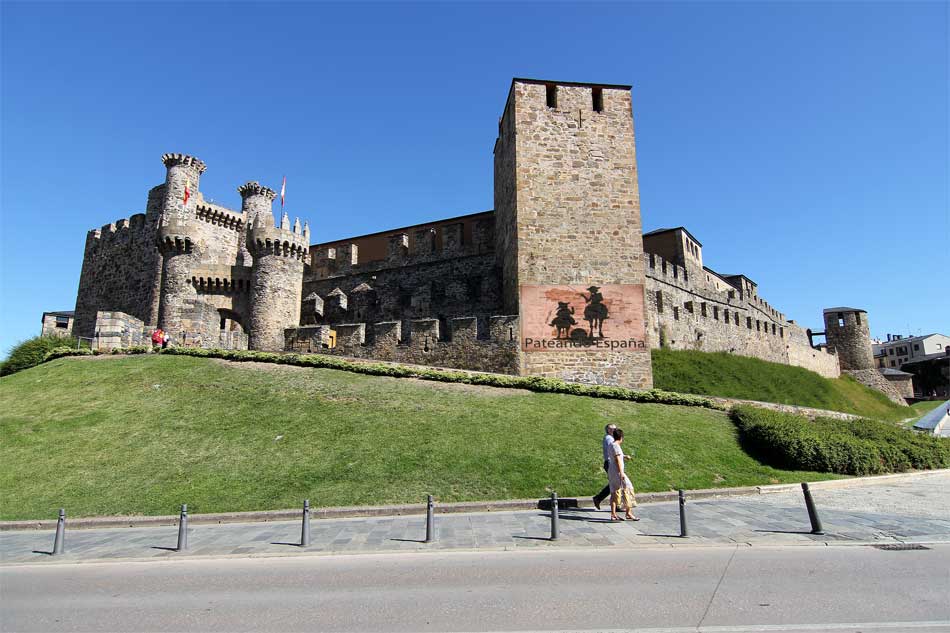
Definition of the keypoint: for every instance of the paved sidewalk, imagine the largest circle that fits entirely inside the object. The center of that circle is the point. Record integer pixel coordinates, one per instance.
(907, 510)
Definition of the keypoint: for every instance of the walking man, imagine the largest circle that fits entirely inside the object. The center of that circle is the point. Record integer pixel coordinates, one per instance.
(608, 452)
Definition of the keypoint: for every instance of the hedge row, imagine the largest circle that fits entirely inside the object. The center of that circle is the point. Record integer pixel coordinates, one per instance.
(853, 447)
(32, 352)
(532, 383)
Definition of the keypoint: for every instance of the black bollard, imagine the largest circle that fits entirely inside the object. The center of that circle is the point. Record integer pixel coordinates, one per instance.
(812, 512)
(305, 527)
(683, 531)
(554, 518)
(430, 519)
(183, 528)
(59, 541)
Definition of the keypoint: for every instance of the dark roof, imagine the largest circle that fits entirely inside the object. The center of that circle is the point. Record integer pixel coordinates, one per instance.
(936, 356)
(677, 228)
(843, 309)
(403, 228)
(910, 338)
(68, 313)
(526, 80)
(894, 372)
(727, 277)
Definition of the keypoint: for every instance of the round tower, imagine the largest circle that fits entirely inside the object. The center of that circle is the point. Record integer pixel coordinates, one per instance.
(177, 238)
(848, 334)
(277, 272)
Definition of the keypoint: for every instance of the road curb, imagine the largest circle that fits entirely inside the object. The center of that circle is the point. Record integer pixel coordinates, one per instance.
(442, 508)
(544, 547)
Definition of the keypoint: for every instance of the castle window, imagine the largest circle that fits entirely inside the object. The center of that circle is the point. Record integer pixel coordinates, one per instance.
(676, 313)
(716, 312)
(689, 306)
(737, 319)
(773, 329)
(857, 318)
(748, 322)
(597, 97)
(702, 308)
(659, 302)
(62, 322)
(550, 91)
(781, 332)
(725, 316)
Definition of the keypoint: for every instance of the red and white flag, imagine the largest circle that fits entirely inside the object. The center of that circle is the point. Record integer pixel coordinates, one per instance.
(187, 193)
(283, 188)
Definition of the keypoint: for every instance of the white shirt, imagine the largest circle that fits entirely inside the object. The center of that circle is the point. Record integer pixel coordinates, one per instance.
(608, 443)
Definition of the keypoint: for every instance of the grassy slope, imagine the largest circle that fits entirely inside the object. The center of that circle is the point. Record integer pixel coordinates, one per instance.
(143, 434)
(730, 376)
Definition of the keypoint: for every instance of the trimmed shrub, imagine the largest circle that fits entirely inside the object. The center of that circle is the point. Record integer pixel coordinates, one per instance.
(852, 447)
(32, 352)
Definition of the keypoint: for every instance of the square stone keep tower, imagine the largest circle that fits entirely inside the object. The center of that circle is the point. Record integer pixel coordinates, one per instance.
(568, 232)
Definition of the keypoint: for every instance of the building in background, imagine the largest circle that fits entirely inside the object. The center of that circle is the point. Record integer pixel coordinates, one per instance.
(57, 323)
(897, 349)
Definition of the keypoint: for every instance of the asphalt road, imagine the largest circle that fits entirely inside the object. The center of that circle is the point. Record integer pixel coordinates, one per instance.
(814, 588)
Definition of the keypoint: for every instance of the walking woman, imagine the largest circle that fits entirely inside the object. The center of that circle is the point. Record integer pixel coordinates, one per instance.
(621, 490)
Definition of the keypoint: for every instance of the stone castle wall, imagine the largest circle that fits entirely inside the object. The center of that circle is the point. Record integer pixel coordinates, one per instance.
(566, 220)
(848, 333)
(568, 196)
(464, 345)
(690, 312)
(441, 279)
(118, 272)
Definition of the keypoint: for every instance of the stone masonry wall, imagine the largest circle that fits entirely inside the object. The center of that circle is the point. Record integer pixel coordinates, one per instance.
(118, 329)
(848, 333)
(454, 280)
(118, 272)
(463, 346)
(573, 209)
(689, 312)
(875, 380)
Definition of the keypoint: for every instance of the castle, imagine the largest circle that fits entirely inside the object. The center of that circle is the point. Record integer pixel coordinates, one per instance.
(558, 280)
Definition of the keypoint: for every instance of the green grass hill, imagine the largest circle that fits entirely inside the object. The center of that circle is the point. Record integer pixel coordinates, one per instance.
(142, 434)
(731, 376)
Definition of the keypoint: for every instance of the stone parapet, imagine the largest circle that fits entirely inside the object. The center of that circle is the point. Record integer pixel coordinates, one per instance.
(462, 347)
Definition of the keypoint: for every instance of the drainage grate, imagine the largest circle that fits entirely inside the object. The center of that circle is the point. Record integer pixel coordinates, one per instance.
(899, 547)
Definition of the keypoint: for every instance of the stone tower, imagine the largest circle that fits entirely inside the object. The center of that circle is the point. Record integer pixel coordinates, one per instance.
(177, 239)
(277, 272)
(848, 334)
(568, 231)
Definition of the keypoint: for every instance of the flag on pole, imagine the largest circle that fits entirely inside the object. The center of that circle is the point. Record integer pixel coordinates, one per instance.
(283, 188)
(187, 193)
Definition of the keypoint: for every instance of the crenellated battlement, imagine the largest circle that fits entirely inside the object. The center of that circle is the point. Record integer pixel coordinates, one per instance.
(118, 231)
(278, 241)
(174, 160)
(219, 216)
(462, 346)
(254, 188)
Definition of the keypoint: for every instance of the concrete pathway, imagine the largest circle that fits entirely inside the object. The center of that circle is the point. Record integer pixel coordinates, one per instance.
(910, 510)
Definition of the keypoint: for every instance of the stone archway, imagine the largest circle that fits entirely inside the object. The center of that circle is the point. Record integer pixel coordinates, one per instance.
(232, 333)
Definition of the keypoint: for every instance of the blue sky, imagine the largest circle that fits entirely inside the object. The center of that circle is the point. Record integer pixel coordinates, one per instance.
(805, 144)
